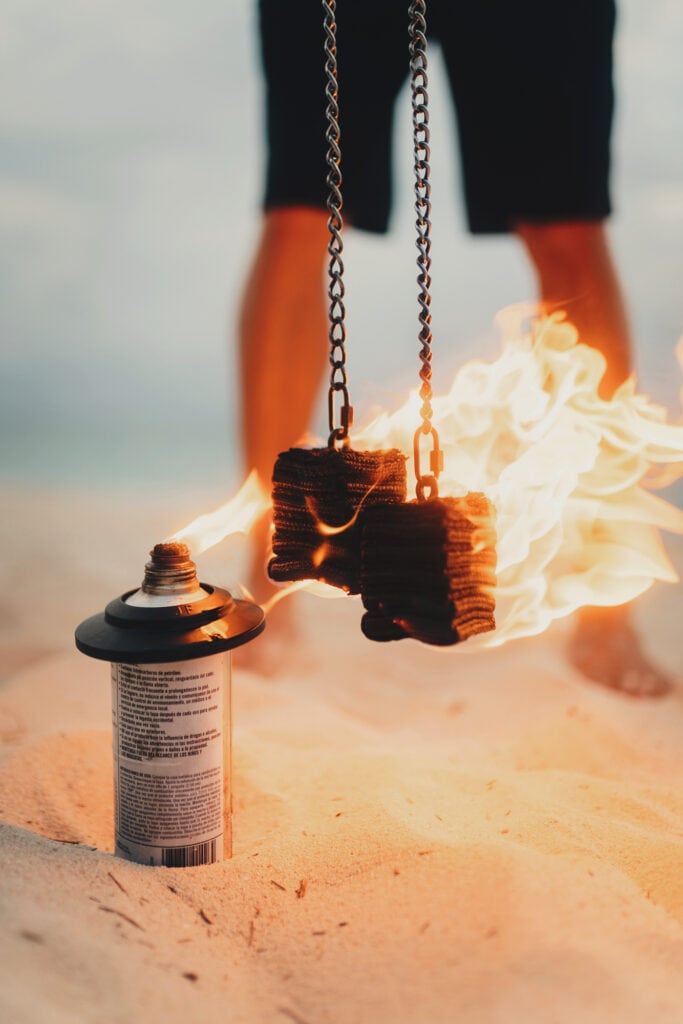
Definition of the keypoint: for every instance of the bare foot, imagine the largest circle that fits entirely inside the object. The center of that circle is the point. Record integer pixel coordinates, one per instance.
(606, 648)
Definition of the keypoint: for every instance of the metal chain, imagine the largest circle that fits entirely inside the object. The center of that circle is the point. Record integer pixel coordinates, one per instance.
(417, 29)
(339, 431)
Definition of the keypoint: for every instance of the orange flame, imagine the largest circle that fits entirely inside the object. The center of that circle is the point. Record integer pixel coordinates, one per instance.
(237, 515)
(563, 467)
(315, 587)
(325, 529)
(566, 470)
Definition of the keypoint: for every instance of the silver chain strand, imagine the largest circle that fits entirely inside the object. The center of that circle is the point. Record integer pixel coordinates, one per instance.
(417, 29)
(338, 379)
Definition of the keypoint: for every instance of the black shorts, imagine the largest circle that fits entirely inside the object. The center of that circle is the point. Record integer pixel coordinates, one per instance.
(531, 82)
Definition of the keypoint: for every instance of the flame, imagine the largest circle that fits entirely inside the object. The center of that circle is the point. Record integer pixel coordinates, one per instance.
(325, 529)
(315, 587)
(237, 515)
(564, 468)
(569, 474)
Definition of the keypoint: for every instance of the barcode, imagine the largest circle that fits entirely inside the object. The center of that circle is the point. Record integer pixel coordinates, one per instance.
(189, 856)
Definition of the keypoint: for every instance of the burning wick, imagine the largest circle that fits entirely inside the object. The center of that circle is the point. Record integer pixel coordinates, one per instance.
(169, 646)
(570, 476)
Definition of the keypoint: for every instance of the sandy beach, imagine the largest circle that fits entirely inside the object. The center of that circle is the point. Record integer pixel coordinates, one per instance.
(420, 835)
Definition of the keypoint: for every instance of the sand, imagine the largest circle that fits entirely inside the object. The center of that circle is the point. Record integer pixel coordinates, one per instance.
(420, 836)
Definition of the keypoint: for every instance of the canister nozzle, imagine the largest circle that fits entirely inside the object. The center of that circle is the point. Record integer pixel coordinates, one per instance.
(171, 617)
(170, 571)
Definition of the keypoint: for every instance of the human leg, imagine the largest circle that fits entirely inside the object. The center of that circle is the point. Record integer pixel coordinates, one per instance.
(283, 328)
(575, 272)
(282, 345)
(535, 142)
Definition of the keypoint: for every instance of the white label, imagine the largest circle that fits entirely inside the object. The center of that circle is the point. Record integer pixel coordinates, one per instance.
(171, 736)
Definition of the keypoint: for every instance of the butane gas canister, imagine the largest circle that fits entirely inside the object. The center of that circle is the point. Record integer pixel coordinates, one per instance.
(169, 646)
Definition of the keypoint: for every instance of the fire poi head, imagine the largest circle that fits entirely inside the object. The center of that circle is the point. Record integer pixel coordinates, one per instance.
(169, 645)
(329, 486)
(339, 515)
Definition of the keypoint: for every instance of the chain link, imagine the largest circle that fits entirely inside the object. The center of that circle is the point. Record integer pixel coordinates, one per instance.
(417, 29)
(339, 429)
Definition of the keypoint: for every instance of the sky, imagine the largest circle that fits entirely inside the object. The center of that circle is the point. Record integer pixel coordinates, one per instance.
(130, 185)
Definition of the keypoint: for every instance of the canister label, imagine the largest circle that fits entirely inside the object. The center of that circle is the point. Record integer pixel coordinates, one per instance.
(170, 760)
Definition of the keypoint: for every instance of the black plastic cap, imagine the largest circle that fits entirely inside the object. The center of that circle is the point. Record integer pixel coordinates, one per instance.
(124, 633)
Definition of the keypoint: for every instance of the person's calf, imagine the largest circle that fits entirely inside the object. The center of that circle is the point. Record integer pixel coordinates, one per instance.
(575, 272)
